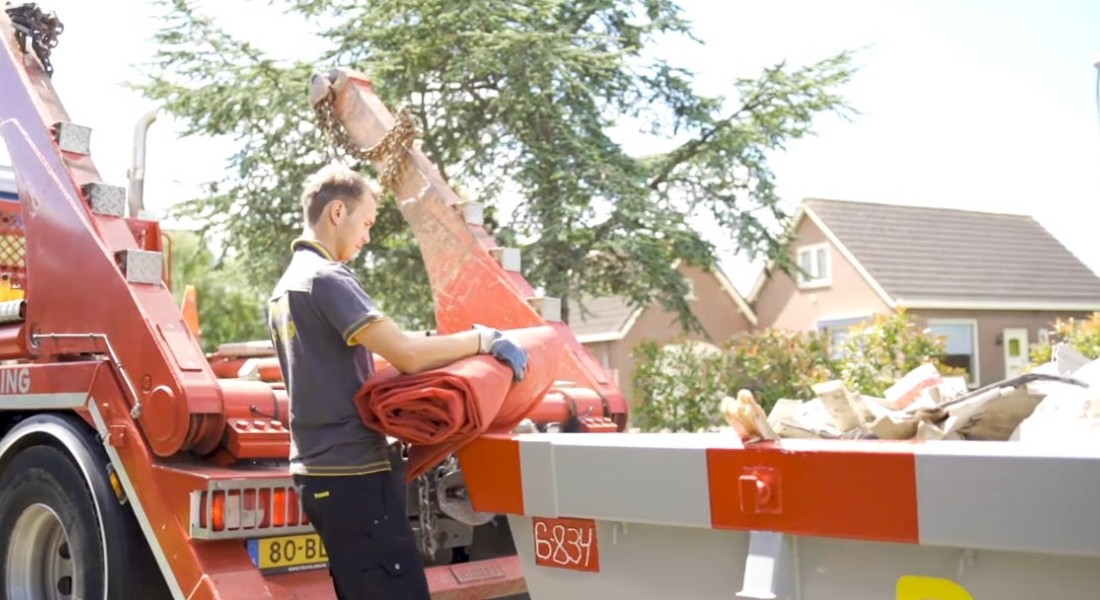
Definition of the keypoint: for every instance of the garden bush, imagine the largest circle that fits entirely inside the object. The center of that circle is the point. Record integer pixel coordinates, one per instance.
(1081, 334)
(678, 386)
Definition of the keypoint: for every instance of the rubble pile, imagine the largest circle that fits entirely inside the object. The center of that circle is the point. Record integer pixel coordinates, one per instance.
(1057, 400)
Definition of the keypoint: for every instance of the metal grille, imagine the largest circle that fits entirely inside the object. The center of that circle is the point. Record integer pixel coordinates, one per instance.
(12, 244)
(247, 508)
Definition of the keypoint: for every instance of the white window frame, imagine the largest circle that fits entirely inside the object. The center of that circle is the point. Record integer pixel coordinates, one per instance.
(827, 268)
(976, 372)
(823, 323)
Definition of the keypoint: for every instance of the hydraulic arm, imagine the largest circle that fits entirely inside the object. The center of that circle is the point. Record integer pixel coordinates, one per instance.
(473, 280)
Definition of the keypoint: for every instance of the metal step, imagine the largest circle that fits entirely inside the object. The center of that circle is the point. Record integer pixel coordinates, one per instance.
(509, 258)
(73, 138)
(474, 213)
(142, 266)
(548, 308)
(106, 199)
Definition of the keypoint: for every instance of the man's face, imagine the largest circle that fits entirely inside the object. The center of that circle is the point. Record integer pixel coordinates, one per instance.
(353, 227)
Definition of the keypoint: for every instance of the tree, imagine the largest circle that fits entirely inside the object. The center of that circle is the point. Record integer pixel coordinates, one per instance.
(512, 98)
(230, 309)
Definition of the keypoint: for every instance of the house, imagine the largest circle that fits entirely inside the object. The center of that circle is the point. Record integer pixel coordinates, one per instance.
(991, 284)
(610, 328)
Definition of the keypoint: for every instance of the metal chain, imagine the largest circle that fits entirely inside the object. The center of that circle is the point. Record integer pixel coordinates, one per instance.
(390, 150)
(41, 28)
(428, 543)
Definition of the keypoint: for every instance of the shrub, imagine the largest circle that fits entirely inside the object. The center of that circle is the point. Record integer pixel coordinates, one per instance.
(677, 387)
(883, 349)
(682, 385)
(777, 364)
(1081, 334)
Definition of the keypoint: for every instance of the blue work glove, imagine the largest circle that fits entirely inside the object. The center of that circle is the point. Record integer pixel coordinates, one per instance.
(501, 347)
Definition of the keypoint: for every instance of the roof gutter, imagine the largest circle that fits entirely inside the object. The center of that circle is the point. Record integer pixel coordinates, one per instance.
(1030, 305)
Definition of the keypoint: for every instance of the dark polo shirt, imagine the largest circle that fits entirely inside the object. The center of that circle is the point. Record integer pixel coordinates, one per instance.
(315, 312)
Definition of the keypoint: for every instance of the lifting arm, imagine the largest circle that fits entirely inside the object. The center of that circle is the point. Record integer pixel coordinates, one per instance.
(470, 283)
(94, 278)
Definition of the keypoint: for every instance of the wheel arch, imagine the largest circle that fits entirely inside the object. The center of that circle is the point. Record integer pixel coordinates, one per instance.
(73, 436)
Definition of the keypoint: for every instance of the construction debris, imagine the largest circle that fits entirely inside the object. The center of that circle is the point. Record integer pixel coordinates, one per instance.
(747, 417)
(1059, 399)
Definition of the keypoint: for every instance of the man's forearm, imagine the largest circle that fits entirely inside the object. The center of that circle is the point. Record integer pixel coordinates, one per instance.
(431, 352)
(416, 353)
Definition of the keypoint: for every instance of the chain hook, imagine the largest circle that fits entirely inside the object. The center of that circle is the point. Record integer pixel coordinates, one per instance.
(390, 150)
(41, 28)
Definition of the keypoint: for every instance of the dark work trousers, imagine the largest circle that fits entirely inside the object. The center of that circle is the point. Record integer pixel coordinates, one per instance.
(364, 526)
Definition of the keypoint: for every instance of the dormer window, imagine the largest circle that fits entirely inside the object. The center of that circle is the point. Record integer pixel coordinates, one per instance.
(813, 261)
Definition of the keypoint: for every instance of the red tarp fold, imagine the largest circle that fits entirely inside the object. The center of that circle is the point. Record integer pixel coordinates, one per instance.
(441, 410)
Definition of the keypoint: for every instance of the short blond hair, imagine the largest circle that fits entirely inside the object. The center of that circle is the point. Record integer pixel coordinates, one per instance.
(334, 181)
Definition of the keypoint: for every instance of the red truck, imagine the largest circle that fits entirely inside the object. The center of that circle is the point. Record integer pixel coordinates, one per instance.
(135, 466)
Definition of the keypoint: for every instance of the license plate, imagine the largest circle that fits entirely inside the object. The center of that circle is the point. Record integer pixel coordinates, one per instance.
(567, 544)
(288, 553)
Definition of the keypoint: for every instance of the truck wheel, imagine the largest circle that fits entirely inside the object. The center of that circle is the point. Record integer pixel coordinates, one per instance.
(50, 543)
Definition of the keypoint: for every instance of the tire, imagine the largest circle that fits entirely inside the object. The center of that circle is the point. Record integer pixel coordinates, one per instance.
(52, 545)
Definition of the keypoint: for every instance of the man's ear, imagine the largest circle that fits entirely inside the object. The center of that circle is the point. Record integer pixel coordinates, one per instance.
(335, 210)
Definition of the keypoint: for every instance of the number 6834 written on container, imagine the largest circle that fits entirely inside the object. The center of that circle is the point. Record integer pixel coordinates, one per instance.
(567, 544)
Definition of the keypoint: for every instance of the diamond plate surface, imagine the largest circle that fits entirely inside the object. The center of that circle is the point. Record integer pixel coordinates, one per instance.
(509, 258)
(106, 199)
(474, 213)
(142, 266)
(470, 573)
(73, 138)
(547, 307)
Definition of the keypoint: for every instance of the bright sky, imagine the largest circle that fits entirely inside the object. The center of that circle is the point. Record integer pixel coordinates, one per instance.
(987, 105)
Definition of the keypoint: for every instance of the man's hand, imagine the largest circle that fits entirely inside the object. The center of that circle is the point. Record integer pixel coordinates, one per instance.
(493, 342)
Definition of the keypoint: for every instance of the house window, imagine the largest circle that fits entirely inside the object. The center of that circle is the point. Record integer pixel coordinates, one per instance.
(960, 345)
(839, 330)
(813, 262)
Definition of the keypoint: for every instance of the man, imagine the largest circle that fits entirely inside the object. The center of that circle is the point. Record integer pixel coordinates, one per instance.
(325, 327)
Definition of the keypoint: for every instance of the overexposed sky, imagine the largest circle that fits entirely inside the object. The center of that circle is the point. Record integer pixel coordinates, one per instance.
(987, 105)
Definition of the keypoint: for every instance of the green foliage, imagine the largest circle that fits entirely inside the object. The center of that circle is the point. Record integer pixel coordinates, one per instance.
(883, 349)
(229, 308)
(776, 364)
(683, 385)
(679, 390)
(516, 98)
(1082, 335)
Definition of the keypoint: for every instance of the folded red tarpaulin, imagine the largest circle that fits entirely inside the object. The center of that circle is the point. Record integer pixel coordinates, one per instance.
(439, 411)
